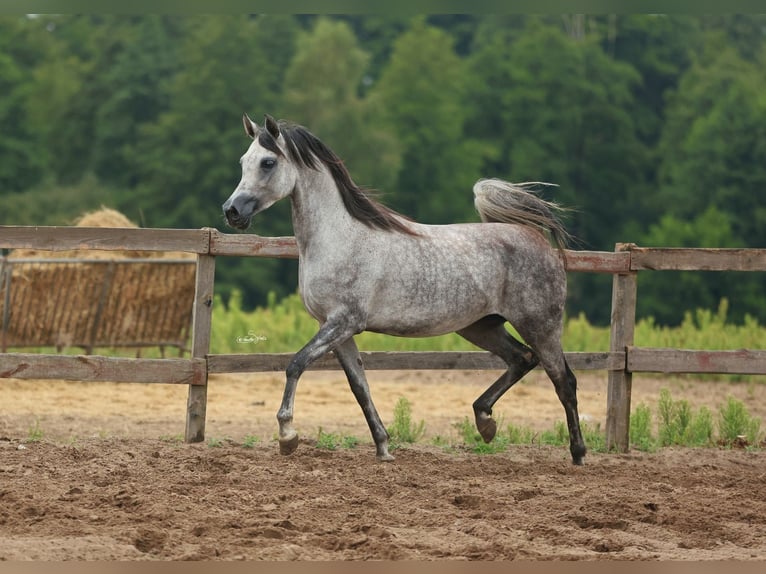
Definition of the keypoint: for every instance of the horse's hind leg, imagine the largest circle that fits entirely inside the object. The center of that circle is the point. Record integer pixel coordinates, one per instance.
(348, 356)
(489, 333)
(553, 361)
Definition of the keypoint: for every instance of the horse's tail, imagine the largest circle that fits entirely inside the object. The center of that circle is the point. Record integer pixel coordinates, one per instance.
(503, 202)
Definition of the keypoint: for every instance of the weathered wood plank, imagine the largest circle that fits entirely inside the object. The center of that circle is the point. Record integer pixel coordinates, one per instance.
(597, 261)
(741, 362)
(100, 368)
(252, 245)
(196, 404)
(416, 360)
(698, 259)
(620, 382)
(110, 239)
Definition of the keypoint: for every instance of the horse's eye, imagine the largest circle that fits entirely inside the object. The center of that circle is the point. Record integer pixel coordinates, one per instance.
(268, 163)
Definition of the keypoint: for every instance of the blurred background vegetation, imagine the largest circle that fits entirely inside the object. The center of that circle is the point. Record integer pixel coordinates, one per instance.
(652, 126)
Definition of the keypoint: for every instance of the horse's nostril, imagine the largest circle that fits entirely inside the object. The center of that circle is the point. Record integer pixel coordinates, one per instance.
(231, 211)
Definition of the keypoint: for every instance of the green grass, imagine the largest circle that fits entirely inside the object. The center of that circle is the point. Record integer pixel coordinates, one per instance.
(333, 441)
(35, 433)
(403, 429)
(678, 424)
(284, 327)
(250, 441)
(674, 423)
(471, 439)
(641, 429)
(734, 422)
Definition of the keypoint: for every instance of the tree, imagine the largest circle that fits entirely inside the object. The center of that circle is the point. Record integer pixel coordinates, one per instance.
(714, 158)
(556, 108)
(322, 92)
(714, 145)
(21, 49)
(420, 96)
(186, 160)
(137, 78)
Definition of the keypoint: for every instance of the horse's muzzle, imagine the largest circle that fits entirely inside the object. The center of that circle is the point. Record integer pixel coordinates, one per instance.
(239, 218)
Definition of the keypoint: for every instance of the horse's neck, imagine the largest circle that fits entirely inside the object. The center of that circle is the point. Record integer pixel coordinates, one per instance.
(320, 220)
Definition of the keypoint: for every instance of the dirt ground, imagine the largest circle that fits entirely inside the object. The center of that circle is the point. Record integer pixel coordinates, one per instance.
(109, 477)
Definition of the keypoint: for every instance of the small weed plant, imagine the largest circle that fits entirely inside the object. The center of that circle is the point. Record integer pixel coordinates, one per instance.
(735, 422)
(679, 425)
(403, 429)
(326, 440)
(35, 433)
(250, 441)
(333, 441)
(472, 439)
(641, 428)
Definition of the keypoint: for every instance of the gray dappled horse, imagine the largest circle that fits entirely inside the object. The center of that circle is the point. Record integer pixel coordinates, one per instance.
(364, 267)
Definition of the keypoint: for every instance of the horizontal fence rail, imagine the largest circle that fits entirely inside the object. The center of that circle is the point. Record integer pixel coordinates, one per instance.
(621, 361)
(403, 360)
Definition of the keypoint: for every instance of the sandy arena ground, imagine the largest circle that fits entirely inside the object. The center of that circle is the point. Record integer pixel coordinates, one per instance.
(112, 479)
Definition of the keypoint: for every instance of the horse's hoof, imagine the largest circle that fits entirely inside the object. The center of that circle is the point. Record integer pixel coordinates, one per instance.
(487, 428)
(387, 457)
(288, 444)
(578, 456)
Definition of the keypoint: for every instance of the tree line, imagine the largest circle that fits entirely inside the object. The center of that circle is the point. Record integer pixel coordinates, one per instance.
(652, 127)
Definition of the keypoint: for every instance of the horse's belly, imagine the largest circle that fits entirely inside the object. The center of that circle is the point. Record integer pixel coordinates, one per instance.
(423, 321)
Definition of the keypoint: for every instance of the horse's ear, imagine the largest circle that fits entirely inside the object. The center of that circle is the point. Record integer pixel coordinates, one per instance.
(272, 127)
(251, 128)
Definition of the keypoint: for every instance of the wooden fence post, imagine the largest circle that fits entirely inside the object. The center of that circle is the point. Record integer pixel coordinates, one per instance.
(202, 317)
(620, 382)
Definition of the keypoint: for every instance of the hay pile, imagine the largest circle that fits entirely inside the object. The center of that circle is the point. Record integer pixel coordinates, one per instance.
(103, 302)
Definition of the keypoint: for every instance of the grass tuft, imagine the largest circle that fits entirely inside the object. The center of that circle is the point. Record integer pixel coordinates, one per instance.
(735, 423)
(403, 429)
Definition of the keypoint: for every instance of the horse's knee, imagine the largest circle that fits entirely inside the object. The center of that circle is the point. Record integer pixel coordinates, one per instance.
(293, 371)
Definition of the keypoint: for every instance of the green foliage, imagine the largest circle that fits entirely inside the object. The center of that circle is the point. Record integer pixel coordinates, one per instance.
(420, 96)
(333, 441)
(641, 436)
(473, 442)
(283, 326)
(679, 425)
(327, 441)
(557, 436)
(35, 433)
(321, 87)
(214, 442)
(403, 429)
(734, 421)
(653, 126)
(250, 441)
(519, 435)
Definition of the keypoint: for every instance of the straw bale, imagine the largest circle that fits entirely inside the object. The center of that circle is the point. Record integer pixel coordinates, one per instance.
(56, 304)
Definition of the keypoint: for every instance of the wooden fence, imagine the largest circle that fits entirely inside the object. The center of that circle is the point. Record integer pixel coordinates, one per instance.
(621, 361)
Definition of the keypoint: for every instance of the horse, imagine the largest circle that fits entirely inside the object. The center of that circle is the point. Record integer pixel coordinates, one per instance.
(365, 267)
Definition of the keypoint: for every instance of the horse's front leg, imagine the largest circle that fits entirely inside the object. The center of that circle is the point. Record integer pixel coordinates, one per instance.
(330, 334)
(349, 358)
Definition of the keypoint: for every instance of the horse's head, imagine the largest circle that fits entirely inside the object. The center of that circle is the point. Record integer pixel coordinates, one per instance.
(267, 175)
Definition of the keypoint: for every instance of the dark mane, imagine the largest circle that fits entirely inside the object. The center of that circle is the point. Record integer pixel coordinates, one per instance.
(305, 148)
